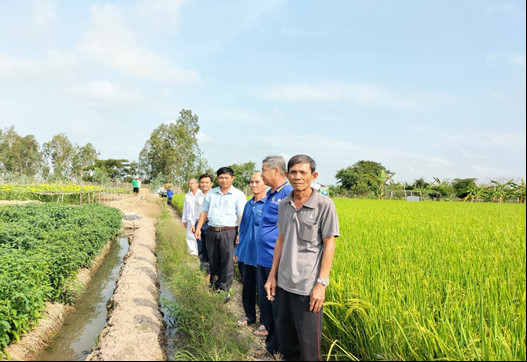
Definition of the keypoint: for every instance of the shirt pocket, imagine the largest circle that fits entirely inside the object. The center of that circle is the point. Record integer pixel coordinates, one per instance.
(309, 231)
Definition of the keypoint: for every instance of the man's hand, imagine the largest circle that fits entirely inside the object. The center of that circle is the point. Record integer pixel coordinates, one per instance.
(185, 225)
(192, 229)
(316, 298)
(197, 234)
(235, 258)
(270, 287)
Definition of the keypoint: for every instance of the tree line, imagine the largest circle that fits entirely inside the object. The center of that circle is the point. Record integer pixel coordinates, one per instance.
(369, 179)
(172, 156)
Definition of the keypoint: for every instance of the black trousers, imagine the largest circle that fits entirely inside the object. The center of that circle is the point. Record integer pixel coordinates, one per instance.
(299, 330)
(220, 249)
(249, 290)
(268, 311)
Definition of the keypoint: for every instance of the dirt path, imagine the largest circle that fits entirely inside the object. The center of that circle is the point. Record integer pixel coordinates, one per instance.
(135, 325)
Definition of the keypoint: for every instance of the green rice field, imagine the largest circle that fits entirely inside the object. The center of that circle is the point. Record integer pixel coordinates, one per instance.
(427, 281)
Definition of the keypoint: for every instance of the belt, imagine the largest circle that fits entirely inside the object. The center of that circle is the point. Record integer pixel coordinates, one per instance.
(223, 229)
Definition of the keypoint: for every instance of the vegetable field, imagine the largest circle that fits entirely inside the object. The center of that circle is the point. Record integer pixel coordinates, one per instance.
(71, 193)
(428, 281)
(41, 248)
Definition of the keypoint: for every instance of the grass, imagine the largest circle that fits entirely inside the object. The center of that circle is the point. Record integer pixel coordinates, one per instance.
(208, 333)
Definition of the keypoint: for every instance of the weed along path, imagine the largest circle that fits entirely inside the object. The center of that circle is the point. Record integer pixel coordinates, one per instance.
(134, 331)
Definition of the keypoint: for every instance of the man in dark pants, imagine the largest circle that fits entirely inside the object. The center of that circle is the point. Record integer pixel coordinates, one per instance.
(223, 208)
(304, 250)
(273, 175)
(245, 253)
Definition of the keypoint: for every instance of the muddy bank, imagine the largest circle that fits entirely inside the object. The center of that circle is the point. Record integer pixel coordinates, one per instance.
(134, 330)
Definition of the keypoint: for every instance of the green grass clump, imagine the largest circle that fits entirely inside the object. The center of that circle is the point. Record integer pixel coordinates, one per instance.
(208, 331)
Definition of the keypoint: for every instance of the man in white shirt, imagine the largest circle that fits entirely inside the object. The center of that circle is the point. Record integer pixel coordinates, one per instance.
(188, 215)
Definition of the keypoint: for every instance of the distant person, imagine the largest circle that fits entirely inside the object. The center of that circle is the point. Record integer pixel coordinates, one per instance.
(303, 255)
(170, 193)
(135, 186)
(245, 253)
(273, 174)
(205, 184)
(223, 207)
(139, 184)
(188, 216)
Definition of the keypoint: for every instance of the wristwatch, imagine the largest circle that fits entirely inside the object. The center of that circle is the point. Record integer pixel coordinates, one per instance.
(323, 282)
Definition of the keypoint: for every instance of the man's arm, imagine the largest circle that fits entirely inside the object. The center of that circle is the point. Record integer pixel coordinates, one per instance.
(270, 286)
(202, 219)
(318, 294)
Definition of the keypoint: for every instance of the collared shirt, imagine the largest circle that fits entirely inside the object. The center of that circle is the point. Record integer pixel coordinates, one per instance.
(188, 207)
(198, 201)
(303, 231)
(224, 209)
(246, 249)
(268, 230)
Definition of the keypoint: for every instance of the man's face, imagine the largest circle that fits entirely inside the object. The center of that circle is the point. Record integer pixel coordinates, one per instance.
(205, 184)
(257, 184)
(192, 185)
(300, 176)
(225, 180)
(267, 174)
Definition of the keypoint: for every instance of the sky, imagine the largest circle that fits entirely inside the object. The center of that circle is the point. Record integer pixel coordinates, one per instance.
(426, 88)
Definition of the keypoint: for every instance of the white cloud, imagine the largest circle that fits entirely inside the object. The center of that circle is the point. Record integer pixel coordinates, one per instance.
(43, 12)
(111, 43)
(361, 94)
(105, 92)
(518, 59)
(52, 65)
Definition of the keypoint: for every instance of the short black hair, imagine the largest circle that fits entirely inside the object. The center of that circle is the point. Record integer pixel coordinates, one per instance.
(224, 170)
(301, 159)
(205, 175)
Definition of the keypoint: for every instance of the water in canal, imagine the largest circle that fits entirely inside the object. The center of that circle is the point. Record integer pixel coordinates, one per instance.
(79, 333)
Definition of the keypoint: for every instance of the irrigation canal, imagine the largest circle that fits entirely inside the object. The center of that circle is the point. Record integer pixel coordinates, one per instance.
(81, 328)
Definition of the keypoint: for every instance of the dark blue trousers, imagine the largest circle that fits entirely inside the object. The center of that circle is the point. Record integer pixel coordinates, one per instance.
(249, 291)
(268, 311)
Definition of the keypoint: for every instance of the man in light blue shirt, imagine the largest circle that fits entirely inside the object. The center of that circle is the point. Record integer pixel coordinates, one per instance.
(223, 208)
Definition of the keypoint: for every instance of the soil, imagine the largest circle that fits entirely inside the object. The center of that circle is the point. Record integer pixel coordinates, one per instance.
(134, 330)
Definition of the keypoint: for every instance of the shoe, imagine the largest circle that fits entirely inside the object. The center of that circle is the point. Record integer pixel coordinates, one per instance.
(261, 331)
(244, 321)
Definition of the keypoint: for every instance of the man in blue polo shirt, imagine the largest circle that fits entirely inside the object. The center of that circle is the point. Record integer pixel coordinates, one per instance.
(223, 208)
(273, 174)
(245, 253)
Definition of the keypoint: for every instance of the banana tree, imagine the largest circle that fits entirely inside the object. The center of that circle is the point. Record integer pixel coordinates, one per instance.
(380, 179)
(502, 191)
(519, 192)
(474, 193)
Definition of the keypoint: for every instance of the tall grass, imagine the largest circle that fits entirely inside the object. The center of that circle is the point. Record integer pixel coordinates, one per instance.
(208, 329)
(428, 281)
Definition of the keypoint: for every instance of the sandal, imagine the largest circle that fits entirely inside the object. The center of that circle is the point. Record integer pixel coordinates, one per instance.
(261, 331)
(242, 322)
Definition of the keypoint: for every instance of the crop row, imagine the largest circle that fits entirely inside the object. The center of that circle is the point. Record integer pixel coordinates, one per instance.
(41, 248)
(69, 193)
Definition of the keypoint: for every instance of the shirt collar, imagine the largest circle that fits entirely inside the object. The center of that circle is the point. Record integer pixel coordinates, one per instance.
(279, 188)
(311, 202)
